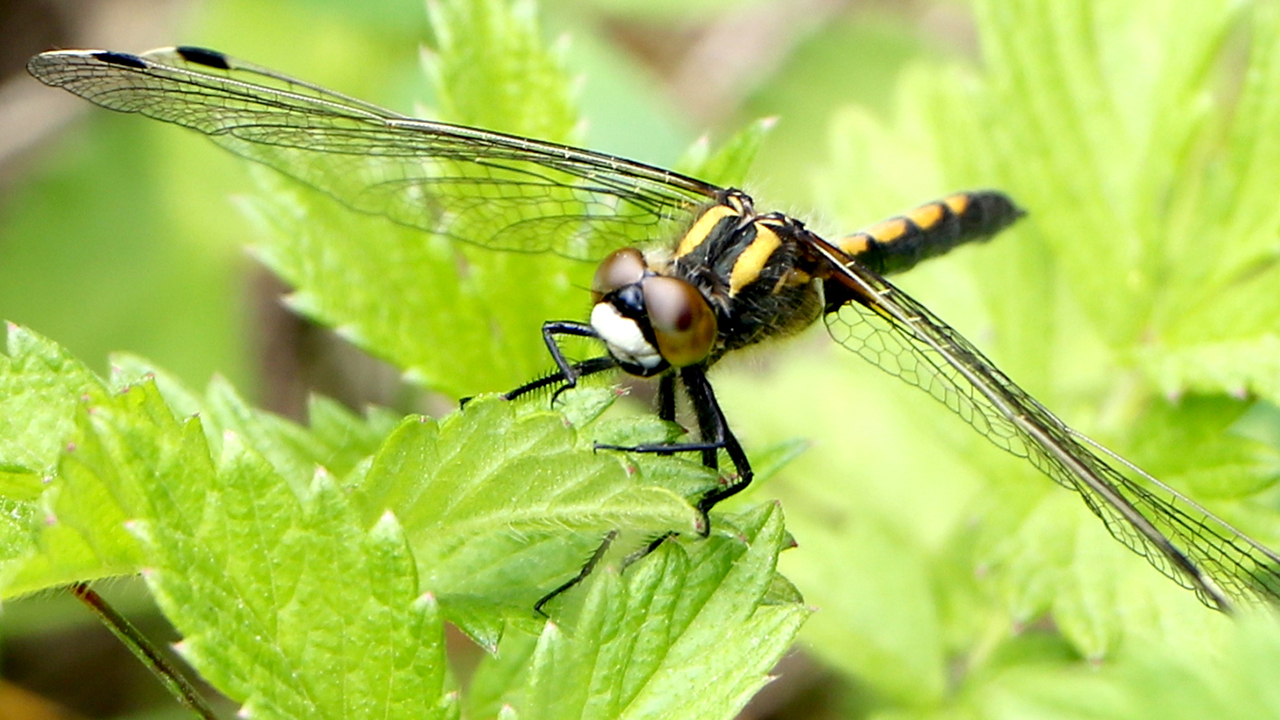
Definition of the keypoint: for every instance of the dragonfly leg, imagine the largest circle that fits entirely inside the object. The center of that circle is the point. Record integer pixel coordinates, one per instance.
(579, 370)
(587, 567)
(568, 373)
(712, 423)
(667, 397)
(715, 435)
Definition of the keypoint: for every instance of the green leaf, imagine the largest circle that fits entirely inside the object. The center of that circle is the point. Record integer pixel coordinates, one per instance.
(490, 68)
(728, 166)
(1195, 445)
(335, 439)
(291, 604)
(404, 295)
(73, 530)
(500, 503)
(1146, 156)
(270, 577)
(19, 520)
(681, 635)
(41, 386)
(886, 631)
(1152, 680)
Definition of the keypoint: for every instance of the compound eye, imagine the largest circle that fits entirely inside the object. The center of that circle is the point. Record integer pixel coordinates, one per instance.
(622, 268)
(682, 321)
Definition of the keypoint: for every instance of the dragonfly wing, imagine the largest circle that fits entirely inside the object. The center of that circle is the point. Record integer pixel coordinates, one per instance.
(1180, 538)
(490, 189)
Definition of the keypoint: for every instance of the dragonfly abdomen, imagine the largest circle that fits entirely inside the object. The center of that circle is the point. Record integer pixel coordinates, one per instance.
(899, 243)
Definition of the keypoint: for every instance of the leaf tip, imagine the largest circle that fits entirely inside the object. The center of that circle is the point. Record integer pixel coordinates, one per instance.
(387, 528)
(351, 333)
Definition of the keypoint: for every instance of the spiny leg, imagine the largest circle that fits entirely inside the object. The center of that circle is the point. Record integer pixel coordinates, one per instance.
(579, 370)
(711, 424)
(666, 412)
(711, 419)
(568, 377)
(569, 372)
(582, 574)
(715, 433)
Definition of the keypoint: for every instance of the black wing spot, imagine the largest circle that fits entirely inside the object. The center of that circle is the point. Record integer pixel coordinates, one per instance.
(121, 59)
(203, 56)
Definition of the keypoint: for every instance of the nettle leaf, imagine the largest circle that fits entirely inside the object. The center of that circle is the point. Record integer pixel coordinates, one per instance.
(1153, 680)
(490, 67)
(20, 491)
(403, 294)
(878, 618)
(40, 387)
(488, 497)
(334, 438)
(307, 597)
(1143, 161)
(684, 634)
(728, 165)
(1197, 444)
(293, 604)
(55, 532)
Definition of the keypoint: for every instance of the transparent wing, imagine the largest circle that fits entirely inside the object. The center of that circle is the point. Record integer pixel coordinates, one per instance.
(490, 189)
(1180, 538)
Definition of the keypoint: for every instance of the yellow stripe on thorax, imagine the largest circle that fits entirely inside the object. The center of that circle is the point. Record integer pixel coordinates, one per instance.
(702, 228)
(753, 258)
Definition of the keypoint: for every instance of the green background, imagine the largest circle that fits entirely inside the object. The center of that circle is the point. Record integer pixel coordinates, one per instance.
(1138, 302)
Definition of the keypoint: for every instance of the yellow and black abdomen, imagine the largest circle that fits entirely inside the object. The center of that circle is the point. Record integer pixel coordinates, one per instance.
(899, 243)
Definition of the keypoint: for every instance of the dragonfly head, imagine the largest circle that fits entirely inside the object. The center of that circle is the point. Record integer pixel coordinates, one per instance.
(649, 322)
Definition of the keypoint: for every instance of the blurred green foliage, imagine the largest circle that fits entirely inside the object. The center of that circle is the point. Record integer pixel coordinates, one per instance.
(1138, 301)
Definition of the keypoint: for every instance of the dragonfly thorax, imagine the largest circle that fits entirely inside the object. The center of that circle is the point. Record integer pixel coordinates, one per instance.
(649, 322)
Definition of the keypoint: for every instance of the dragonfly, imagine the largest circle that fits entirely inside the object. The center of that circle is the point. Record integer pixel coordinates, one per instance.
(688, 272)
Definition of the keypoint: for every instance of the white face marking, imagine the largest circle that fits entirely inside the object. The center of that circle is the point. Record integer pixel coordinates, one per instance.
(623, 337)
